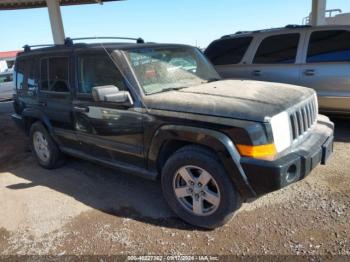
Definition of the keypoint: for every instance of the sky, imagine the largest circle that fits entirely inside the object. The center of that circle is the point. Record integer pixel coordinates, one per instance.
(194, 22)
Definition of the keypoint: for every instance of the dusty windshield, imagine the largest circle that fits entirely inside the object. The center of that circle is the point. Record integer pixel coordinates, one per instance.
(163, 69)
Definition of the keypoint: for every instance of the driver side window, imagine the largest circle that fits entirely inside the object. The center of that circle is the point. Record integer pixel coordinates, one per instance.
(98, 70)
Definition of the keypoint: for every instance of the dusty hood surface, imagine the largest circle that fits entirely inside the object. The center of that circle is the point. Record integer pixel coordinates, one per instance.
(239, 99)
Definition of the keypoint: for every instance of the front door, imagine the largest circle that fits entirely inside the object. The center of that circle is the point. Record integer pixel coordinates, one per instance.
(108, 131)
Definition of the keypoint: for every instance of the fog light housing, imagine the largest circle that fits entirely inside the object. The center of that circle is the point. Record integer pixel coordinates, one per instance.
(292, 174)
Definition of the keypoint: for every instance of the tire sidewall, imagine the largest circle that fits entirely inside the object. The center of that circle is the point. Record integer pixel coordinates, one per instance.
(50, 163)
(229, 198)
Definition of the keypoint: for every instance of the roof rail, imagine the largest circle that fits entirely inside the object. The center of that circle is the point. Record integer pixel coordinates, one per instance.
(242, 32)
(291, 26)
(69, 41)
(29, 47)
(296, 26)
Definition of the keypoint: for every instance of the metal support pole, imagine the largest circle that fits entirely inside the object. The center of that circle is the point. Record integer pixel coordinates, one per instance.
(56, 21)
(318, 15)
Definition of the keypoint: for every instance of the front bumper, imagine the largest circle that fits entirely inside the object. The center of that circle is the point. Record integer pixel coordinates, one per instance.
(267, 176)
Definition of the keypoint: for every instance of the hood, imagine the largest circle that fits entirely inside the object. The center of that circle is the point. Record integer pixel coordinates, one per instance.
(239, 99)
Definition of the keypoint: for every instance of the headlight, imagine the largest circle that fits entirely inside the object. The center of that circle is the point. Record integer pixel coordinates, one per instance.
(281, 131)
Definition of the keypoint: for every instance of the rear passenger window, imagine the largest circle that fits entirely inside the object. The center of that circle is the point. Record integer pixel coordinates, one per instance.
(98, 70)
(329, 46)
(54, 74)
(228, 51)
(278, 49)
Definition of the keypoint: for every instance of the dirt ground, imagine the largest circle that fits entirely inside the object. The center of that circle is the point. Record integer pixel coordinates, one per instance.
(83, 208)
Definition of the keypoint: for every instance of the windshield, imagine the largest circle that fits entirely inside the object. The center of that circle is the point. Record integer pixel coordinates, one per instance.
(163, 69)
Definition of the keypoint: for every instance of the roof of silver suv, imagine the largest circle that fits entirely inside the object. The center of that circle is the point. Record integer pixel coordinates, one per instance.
(281, 29)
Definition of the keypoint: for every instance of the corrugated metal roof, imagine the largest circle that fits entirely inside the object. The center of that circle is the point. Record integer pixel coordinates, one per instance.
(22, 4)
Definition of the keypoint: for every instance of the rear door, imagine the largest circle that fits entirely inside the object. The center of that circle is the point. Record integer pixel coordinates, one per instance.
(276, 58)
(55, 97)
(326, 68)
(228, 54)
(108, 131)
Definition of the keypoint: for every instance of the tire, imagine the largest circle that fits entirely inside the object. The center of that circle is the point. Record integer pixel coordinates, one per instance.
(187, 161)
(46, 151)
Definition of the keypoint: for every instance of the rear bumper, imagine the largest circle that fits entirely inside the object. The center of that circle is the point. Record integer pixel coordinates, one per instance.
(267, 176)
(18, 121)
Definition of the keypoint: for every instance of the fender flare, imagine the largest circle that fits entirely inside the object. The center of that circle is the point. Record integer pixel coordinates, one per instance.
(215, 140)
(36, 114)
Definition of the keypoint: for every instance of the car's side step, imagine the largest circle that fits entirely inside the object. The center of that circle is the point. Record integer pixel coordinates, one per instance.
(115, 164)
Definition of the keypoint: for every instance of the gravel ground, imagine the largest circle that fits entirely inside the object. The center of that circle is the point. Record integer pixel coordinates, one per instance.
(85, 209)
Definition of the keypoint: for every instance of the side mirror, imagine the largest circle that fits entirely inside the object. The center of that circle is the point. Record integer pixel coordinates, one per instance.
(111, 94)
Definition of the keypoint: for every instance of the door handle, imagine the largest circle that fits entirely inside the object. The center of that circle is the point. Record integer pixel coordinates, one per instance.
(309, 72)
(43, 104)
(81, 109)
(256, 73)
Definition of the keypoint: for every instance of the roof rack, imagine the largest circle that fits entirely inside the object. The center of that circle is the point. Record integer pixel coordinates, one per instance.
(69, 41)
(29, 47)
(296, 26)
(291, 26)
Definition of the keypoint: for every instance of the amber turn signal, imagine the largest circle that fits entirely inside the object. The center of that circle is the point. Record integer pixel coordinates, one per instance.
(262, 151)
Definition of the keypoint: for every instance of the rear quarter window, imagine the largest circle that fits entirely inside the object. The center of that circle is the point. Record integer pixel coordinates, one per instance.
(20, 71)
(26, 75)
(228, 51)
(329, 46)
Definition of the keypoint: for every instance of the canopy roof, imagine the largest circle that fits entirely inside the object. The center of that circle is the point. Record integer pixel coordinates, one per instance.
(22, 4)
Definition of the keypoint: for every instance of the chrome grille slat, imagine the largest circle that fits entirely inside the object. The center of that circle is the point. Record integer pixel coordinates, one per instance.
(310, 114)
(313, 111)
(300, 123)
(302, 118)
(294, 125)
(306, 125)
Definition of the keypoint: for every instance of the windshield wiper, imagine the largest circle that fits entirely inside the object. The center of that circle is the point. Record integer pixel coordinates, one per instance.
(172, 88)
(210, 80)
(168, 89)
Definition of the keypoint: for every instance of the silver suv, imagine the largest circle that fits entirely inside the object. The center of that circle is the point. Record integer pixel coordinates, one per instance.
(315, 57)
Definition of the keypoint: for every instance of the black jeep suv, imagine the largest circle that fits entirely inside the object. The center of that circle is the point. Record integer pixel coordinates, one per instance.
(161, 111)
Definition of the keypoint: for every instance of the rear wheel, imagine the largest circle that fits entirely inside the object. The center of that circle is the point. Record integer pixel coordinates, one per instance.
(44, 148)
(198, 189)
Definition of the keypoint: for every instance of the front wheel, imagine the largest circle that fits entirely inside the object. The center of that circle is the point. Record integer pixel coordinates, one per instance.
(198, 189)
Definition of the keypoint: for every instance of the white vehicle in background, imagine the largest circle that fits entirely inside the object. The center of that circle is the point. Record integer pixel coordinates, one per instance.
(6, 85)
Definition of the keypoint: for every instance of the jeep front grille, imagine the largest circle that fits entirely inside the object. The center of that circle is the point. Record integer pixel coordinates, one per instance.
(303, 117)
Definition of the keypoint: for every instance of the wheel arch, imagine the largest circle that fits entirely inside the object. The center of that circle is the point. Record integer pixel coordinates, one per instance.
(31, 116)
(169, 138)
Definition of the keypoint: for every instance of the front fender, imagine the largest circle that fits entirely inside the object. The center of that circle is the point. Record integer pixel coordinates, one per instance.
(217, 141)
